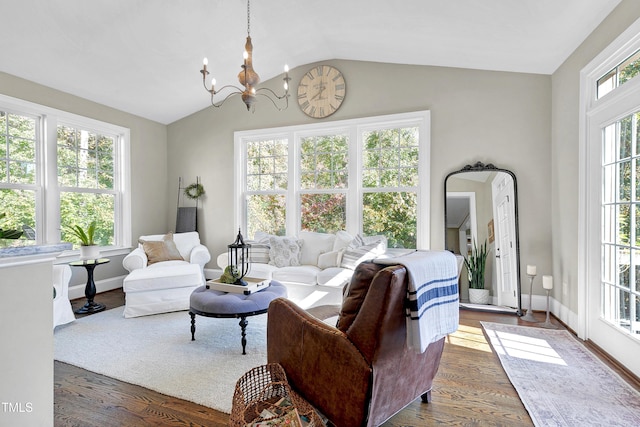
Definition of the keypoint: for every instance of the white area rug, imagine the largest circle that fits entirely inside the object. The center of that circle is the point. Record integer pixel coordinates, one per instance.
(559, 381)
(156, 352)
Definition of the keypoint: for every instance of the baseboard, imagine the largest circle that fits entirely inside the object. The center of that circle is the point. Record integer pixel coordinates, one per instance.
(77, 291)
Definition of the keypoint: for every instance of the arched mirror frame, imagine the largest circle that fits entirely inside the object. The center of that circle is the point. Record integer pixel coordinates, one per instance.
(489, 167)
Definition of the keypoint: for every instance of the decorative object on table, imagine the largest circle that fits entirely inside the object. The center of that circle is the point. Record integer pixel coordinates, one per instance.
(90, 289)
(476, 263)
(253, 285)
(9, 234)
(321, 91)
(187, 216)
(547, 284)
(238, 264)
(88, 247)
(531, 272)
(247, 78)
(262, 396)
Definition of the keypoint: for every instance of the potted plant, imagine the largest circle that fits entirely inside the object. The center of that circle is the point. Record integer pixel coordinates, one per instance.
(9, 234)
(475, 264)
(88, 247)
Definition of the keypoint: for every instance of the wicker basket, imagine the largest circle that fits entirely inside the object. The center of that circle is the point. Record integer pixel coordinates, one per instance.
(260, 389)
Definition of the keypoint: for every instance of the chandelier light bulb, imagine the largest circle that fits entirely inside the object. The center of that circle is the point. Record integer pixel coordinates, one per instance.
(213, 82)
(286, 68)
(286, 86)
(245, 54)
(205, 61)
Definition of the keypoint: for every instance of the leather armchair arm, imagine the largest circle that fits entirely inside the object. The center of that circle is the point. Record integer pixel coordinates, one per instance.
(200, 255)
(135, 260)
(320, 361)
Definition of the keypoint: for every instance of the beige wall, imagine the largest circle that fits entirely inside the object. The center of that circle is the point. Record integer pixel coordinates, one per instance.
(148, 158)
(564, 152)
(494, 117)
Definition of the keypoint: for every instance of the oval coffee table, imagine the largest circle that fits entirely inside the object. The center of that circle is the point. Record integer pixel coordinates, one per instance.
(211, 303)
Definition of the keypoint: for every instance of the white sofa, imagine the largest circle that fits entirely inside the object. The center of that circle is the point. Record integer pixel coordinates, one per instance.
(314, 266)
(163, 271)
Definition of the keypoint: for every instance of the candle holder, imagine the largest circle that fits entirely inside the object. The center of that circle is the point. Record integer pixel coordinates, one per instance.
(547, 324)
(529, 316)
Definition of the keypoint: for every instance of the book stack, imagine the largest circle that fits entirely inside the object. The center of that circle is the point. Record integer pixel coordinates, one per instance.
(282, 413)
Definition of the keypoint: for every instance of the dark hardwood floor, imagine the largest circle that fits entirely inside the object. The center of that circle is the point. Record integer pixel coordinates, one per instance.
(471, 389)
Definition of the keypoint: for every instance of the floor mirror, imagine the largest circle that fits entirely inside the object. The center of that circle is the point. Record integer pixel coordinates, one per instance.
(481, 207)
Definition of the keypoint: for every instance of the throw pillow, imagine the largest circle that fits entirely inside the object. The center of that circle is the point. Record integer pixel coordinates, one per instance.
(330, 259)
(284, 251)
(161, 250)
(353, 256)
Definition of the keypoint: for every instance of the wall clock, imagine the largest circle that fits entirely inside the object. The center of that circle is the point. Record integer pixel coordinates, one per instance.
(321, 91)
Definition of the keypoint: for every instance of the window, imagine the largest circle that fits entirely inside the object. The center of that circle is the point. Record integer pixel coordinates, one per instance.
(366, 176)
(620, 302)
(619, 75)
(60, 169)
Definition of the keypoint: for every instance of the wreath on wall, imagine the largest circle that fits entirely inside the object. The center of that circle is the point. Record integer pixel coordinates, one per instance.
(194, 191)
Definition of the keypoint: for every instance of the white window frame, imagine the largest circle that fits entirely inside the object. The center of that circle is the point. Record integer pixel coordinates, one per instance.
(47, 189)
(353, 128)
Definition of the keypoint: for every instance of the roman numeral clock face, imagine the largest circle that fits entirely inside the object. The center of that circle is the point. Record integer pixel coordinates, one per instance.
(321, 91)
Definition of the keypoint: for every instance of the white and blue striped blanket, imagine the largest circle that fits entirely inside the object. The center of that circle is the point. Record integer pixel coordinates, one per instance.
(432, 306)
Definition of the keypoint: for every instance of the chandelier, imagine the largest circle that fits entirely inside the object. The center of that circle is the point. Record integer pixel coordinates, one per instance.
(249, 79)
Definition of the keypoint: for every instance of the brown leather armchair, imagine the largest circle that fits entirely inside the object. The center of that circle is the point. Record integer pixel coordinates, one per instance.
(361, 372)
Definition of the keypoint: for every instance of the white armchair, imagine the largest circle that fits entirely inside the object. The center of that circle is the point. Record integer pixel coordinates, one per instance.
(163, 271)
(62, 311)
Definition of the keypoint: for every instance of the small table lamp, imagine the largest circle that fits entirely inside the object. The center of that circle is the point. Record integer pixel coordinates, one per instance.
(531, 272)
(547, 284)
(239, 259)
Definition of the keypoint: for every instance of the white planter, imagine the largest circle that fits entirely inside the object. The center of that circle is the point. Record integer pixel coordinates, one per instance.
(90, 252)
(479, 296)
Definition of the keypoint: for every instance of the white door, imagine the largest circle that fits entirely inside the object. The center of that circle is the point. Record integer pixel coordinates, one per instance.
(505, 240)
(613, 231)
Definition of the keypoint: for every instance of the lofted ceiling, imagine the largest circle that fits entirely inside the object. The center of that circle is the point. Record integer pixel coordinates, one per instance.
(144, 56)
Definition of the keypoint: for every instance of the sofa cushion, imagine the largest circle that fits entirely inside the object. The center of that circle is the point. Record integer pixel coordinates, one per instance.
(284, 251)
(169, 275)
(355, 293)
(160, 250)
(303, 274)
(261, 271)
(334, 276)
(185, 242)
(314, 245)
(258, 252)
(330, 259)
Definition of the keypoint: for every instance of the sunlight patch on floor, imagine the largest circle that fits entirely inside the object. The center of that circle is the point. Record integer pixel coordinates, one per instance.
(522, 347)
(469, 336)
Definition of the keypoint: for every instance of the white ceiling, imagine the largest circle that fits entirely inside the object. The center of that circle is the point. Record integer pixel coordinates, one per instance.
(144, 56)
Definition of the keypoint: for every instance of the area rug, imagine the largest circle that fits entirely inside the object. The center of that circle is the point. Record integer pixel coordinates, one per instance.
(559, 381)
(156, 352)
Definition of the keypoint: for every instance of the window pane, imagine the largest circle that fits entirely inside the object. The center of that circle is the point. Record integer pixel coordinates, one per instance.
(323, 213)
(392, 214)
(267, 165)
(83, 208)
(85, 159)
(266, 213)
(323, 162)
(607, 83)
(390, 158)
(20, 209)
(626, 135)
(629, 68)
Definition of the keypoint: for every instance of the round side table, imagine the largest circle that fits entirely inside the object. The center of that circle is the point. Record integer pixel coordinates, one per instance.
(90, 289)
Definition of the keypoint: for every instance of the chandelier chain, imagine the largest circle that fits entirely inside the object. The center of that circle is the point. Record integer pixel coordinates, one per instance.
(248, 18)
